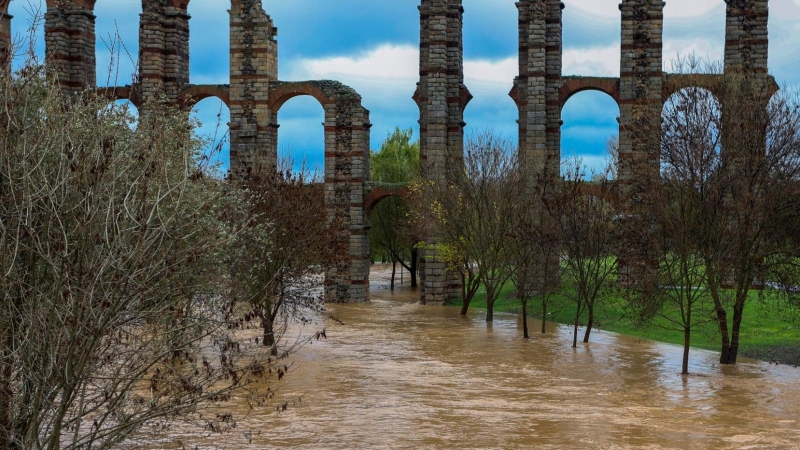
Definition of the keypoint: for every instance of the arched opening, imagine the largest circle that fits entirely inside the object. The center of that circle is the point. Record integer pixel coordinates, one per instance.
(301, 136)
(214, 116)
(693, 27)
(392, 244)
(392, 239)
(129, 108)
(590, 130)
(490, 65)
(691, 137)
(209, 42)
(116, 41)
(592, 38)
(380, 61)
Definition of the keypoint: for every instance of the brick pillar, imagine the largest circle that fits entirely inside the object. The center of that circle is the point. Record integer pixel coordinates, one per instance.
(5, 36)
(746, 37)
(746, 55)
(530, 87)
(70, 44)
(163, 50)
(552, 163)
(152, 48)
(441, 97)
(176, 43)
(641, 80)
(254, 64)
(346, 174)
(536, 92)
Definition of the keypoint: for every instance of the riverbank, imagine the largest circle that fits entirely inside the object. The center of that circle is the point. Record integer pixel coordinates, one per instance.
(767, 333)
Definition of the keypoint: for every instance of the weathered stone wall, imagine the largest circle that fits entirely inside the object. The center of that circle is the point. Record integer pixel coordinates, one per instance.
(254, 64)
(441, 97)
(70, 43)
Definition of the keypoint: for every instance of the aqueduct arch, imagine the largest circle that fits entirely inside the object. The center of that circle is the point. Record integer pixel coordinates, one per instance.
(540, 91)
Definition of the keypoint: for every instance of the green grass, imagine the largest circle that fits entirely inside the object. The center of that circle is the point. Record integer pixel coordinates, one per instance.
(765, 326)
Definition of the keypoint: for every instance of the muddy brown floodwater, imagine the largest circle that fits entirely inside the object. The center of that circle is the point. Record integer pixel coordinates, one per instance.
(397, 374)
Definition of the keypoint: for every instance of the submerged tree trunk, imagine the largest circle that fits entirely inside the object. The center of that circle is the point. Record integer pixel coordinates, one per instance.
(722, 316)
(490, 298)
(525, 318)
(731, 353)
(575, 329)
(269, 337)
(544, 314)
(464, 298)
(394, 269)
(687, 338)
(413, 268)
(589, 324)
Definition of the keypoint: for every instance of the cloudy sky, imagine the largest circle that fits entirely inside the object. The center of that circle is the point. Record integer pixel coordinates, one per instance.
(372, 45)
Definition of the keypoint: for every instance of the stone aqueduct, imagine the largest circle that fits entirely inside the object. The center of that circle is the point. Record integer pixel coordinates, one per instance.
(255, 95)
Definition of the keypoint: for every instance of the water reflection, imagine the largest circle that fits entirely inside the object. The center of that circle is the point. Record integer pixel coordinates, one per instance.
(397, 374)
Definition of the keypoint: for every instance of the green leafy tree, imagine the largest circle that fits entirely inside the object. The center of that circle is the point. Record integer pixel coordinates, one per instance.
(396, 162)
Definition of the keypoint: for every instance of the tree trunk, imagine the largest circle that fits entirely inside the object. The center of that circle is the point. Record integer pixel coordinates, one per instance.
(575, 329)
(394, 268)
(269, 337)
(413, 268)
(464, 299)
(733, 350)
(490, 305)
(525, 318)
(589, 324)
(722, 316)
(687, 337)
(544, 314)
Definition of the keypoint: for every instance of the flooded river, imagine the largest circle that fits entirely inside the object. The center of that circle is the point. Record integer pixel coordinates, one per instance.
(396, 374)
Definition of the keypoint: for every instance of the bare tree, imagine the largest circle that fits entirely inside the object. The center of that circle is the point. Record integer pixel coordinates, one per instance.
(690, 148)
(277, 261)
(730, 161)
(472, 216)
(533, 244)
(584, 215)
(111, 245)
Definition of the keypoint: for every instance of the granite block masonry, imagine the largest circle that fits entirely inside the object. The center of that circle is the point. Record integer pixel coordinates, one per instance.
(255, 95)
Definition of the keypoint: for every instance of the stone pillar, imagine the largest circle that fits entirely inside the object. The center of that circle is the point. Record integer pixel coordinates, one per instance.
(441, 97)
(176, 42)
(254, 64)
(536, 93)
(746, 36)
(552, 163)
(641, 80)
(346, 174)
(70, 44)
(5, 36)
(530, 87)
(163, 50)
(152, 48)
(747, 79)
